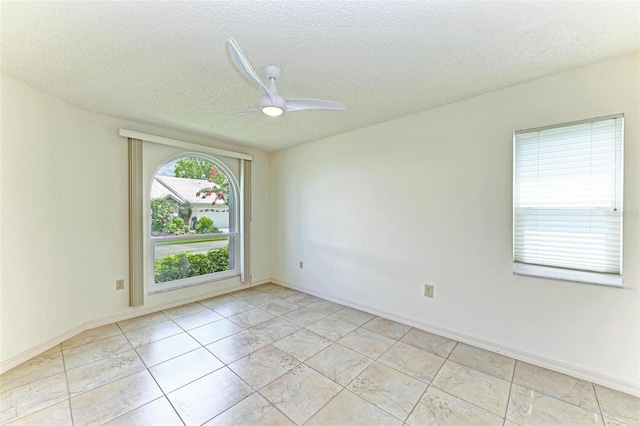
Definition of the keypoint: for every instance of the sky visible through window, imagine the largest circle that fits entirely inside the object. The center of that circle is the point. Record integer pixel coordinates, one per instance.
(168, 169)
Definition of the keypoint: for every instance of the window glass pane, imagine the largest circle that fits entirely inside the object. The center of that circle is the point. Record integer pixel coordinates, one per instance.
(567, 191)
(190, 195)
(180, 259)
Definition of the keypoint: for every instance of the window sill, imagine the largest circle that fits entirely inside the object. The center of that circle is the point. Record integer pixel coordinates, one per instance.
(189, 282)
(612, 280)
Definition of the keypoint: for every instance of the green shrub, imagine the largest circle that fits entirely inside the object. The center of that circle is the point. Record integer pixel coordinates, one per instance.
(204, 225)
(177, 225)
(172, 267)
(199, 264)
(178, 266)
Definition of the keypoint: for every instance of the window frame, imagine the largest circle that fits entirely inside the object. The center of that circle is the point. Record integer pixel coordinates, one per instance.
(556, 272)
(234, 231)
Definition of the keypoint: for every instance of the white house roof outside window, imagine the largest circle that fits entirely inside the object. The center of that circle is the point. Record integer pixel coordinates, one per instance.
(183, 191)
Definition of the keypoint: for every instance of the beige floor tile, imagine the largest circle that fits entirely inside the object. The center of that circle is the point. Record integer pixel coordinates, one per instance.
(300, 393)
(325, 307)
(215, 331)
(568, 389)
(185, 369)
(367, 342)
(155, 413)
(618, 405)
(153, 333)
(95, 351)
(386, 327)
(302, 344)
(268, 287)
(240, 294)
(250, 318)
(476, 387)
(165, 349)
(108, 381)
(284, 293)
(57, 414)
(353, 316)
(389, 389)
(107, 402)
(31, 397)
(611, 422)
(529, 407)
(197, 319)
(338, 363)
(215, 302)
(488, 362)
(303, 299)
(36, 368)
(182, 310)
(107, 370)
(254, 410)
(415, 362)
(259, 299)
(142, 321)
(232, 308)
(274, 329)
(236, 346)
(429, 342)
(92, 335)
(331, 328)
(303, 316)
(263, 366)
(349, 409)
(441, 409)
(202, 400)
(280, 307)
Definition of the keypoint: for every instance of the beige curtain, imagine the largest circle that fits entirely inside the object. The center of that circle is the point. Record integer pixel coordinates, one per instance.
(245, 190)
(136, 284)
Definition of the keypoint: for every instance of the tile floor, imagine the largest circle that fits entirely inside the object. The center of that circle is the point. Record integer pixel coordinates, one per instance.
(274, 356)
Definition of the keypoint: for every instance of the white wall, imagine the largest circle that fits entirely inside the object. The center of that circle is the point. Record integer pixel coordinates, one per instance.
(377, 212)
(61, 253)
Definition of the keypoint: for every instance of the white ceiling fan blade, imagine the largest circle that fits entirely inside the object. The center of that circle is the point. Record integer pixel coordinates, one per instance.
(300, 104)
(248, 110)
(244, 66)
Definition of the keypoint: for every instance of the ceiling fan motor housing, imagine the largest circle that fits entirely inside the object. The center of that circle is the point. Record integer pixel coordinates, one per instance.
(278, 101)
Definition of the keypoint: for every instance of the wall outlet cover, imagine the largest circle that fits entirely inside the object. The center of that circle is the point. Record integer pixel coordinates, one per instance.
(428, 290)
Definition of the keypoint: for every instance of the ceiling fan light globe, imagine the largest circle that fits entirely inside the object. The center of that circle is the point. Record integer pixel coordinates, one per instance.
(272, 111)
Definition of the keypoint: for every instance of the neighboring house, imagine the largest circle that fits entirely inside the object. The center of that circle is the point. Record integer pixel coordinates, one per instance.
(183, 192)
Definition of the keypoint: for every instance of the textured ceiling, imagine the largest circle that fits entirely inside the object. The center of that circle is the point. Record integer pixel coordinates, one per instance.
(167, 62)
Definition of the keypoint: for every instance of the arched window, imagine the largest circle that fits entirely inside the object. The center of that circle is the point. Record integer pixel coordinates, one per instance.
(194, 222)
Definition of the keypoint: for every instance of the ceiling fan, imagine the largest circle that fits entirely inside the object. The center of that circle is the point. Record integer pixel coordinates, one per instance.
(272, 103)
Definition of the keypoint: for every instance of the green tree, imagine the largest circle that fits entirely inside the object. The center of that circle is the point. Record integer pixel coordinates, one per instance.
(162, 212)
(199, 168)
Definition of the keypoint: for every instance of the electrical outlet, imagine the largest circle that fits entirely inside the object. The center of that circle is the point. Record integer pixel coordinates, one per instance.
(120, 285)
(428, 290)
(301, 264)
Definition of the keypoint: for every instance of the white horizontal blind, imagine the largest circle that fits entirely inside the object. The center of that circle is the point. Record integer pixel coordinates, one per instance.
(568, 196)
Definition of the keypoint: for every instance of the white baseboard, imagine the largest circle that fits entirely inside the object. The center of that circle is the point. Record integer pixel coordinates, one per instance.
(260, 282)
(16, 360)
(531, 358)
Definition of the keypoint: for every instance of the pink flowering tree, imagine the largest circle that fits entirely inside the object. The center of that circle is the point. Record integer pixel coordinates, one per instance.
(199, 168)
